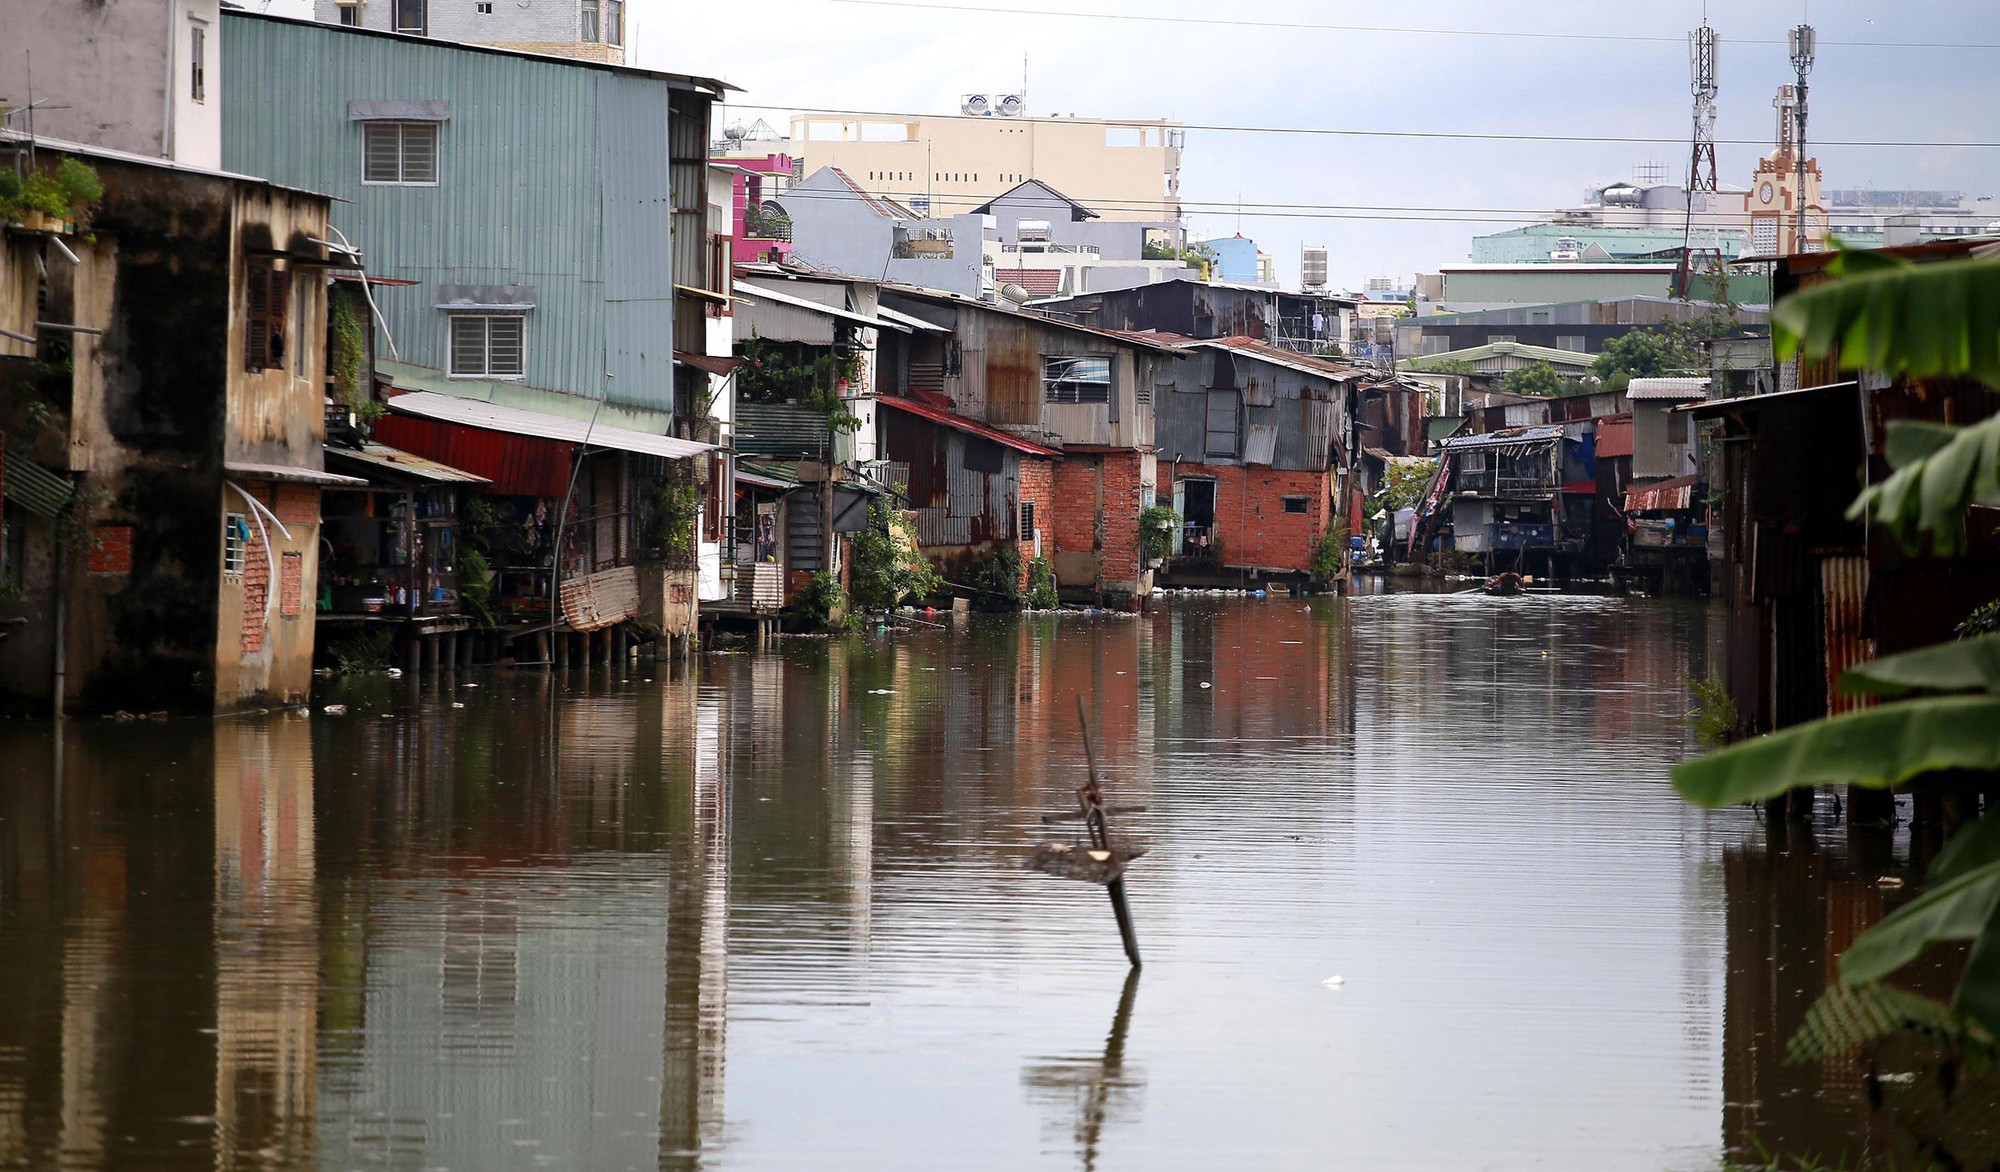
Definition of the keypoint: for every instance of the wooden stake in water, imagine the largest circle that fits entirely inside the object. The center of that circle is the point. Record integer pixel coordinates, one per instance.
(1100, 838)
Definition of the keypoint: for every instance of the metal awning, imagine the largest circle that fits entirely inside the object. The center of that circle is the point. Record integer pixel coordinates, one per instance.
(1717, 408)
(290, 474)
(915, 323)
(32, 486)
(374, 457)
(766, 293)
(759, 480)
(968, 426)
(1525, 438)
(709, 363)
(518, 421)
(1677, 493)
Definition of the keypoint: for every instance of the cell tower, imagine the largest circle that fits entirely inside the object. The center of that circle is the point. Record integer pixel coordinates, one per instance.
(1703, 187)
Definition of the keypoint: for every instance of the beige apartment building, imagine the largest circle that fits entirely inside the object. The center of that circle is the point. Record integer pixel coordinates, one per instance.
(949, 165)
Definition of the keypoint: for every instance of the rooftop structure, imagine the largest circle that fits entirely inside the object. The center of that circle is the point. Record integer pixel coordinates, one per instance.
(593, 30)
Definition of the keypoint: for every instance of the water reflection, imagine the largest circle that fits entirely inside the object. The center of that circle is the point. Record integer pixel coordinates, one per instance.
(1090, 1091)
(774, 916)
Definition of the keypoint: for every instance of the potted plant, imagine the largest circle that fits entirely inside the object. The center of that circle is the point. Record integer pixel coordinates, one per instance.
(51, 201)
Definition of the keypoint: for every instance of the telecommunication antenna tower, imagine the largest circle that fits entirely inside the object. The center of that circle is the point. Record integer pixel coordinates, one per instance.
(1703, 187)
(1802, 42)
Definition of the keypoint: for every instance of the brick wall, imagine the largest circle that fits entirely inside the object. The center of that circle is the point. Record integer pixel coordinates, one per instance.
(1073, 523)
(256, 589)
(1118, 520)
(1038, 488)
(1250, 517)
(297, 504)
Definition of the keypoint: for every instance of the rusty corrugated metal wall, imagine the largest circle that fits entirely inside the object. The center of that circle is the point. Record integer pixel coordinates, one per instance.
(518, 465)
(1843, 593)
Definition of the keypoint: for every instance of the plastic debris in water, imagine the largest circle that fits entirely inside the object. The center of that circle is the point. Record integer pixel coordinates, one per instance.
(335, 710)
(1335, 981)
(881, 691)
(1206, 684)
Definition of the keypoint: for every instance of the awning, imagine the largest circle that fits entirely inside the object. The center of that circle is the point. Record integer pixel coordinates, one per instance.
(1677, 493)
(32, 486)
(375, 457)
(455, 298)
(1680, 388)
(290, 474)
(722, 365)
(1522, 438)
(759, 480)
(766, 293)
(916, 324)
(968, 426)
(517, 421)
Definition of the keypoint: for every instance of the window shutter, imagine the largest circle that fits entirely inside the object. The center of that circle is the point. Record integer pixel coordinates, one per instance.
(257, 336)
(277, 313)
(504, 345)
(380, 152)
(420, 152)
(468, 345)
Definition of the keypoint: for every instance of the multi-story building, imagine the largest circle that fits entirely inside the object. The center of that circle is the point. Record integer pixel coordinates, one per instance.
(947, 165)
(593, 30)
(143, 76)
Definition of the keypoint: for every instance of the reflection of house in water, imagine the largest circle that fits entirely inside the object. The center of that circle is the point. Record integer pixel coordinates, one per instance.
(266, 946)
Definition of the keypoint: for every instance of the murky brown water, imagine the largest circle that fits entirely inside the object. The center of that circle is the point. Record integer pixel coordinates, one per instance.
(773, 918)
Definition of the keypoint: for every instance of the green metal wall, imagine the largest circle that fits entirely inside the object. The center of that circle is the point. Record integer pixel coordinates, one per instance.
(550, 174)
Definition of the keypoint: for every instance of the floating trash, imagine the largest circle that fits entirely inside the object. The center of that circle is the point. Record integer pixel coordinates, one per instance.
(1335, 981)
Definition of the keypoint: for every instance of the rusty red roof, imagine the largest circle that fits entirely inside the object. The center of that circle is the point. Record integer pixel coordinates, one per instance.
(969, 426)
(1037, 281)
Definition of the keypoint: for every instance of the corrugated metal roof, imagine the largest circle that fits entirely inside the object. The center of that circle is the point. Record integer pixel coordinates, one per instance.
(968, 426)
(516, 421)
(1573, 359)
(1667, 388)
(783, 475)
(290, 473)
(1614, 437)
(1677, 493)
(766, 293)
(517, 465)
(1505, 439)
(374, 457)
(916, 324)
(32, 486)
(1279, 356)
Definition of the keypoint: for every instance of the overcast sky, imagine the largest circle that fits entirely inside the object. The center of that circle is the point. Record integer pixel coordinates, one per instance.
(917, 59)
(795, 53)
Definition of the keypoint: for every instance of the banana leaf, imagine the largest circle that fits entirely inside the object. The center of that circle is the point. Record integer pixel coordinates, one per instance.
(1969, 849)
(1970, 665)
(1928, 320)
(1876, 747)
(1929, 495)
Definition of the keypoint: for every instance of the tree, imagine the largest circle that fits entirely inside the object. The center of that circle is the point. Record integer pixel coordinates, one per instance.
(1939, 705)
(1671, 347)
(1539, 379)
(1449, 366)
(1404, 482)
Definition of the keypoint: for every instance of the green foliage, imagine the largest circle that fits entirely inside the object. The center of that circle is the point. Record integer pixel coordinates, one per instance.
(349, 345)
(1984, 620)
(1714, 713)
(1329, 558)
(1940, 471)
(997, 581)
(1157, 526)
(1971, 665)
(1404, 482)
(366, 650)
(1671, 347)
(66, 192)
(79, 182)
(888, 566)
(1200, 256)
(1457, 366)
(1539, 379)
(671, 514)
(1042, 585)
(1889, 314)
(775, 372)
(475, 585)
(478, 524)
(820, 605)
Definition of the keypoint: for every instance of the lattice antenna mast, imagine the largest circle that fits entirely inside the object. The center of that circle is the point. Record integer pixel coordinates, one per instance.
(1703, 185)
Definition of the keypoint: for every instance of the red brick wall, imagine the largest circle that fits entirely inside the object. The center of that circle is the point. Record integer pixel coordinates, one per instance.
(1250, 517)
(1118, 524)
(1074, 520)
(111, 550)
(290, 583)
(297, 504)
(1038, 487)
(256, 588)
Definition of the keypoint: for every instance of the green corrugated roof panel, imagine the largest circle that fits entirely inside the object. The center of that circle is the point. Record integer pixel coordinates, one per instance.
(780, 429)
(784, 472)
(34, 487)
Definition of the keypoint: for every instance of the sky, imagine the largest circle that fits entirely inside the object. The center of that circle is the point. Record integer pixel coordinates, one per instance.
(1572, 76)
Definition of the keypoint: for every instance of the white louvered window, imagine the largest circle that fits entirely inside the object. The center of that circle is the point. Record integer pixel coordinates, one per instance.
(1077, 379)
(488, 345)
(401, 154)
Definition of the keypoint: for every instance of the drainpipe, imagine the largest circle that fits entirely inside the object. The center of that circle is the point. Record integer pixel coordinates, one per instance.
(60, 669)
(167, 92)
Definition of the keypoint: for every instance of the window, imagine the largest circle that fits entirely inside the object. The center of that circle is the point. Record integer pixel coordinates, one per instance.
(484, 8)
(1027, 521)
(1225, 411)
(1077, 380)
(198, 61)
(235, 542)
(1492, 338)
(399, 153)
(264, 336)
(350, 15)
(412, 16)
(1296, 504)
(614, 22)
(1571, 342)
(488, 345)
(587, 29)
(301, 314)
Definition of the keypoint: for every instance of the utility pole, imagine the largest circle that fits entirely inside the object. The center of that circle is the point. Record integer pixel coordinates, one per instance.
(1802, 41)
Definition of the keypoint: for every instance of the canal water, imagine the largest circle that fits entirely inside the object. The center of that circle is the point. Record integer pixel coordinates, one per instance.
(773, 916)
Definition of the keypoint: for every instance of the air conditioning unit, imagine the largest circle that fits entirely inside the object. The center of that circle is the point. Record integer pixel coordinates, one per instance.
(1010, 106)
(976, 106)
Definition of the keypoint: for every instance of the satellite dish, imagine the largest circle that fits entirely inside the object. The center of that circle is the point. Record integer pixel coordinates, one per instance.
(1015, 293)
(975, 105)
(736, 133)
(1011, 106)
